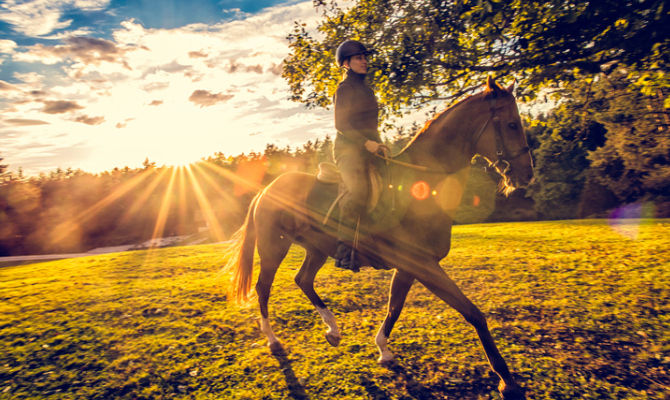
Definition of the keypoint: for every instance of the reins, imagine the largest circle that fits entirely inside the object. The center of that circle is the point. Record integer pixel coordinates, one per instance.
(417, 167)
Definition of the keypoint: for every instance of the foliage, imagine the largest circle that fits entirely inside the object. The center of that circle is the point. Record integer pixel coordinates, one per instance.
(578, 309)
(561, 160)
(3, 169)
(606, 143)
(431, 49)
(634, 163)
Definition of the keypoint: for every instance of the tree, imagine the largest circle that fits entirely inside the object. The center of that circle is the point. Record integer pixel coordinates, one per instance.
(634, 162)
(605, 145)
(440, 49)
(3, 170)
(560, 166)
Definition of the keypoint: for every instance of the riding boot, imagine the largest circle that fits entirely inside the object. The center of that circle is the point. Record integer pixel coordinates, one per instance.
(345, 255)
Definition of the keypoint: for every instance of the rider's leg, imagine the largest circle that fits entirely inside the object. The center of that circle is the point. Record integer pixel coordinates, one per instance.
(353, 169)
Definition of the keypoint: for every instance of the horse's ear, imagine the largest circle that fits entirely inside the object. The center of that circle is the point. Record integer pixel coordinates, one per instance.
(490, 84)
(510, 88)
(492, 88)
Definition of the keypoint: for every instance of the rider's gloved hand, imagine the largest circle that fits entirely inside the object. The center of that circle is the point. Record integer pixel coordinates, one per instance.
(376, 147)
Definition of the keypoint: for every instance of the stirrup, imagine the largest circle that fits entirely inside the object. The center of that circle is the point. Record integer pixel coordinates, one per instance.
(345, 257)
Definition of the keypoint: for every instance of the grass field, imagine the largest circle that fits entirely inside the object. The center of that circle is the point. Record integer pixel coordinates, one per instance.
(579, 309)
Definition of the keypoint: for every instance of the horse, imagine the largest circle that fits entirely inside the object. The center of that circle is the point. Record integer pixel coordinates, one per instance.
(485, 124)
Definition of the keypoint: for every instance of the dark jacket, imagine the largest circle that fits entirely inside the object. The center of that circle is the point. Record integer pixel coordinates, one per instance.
(356, 112)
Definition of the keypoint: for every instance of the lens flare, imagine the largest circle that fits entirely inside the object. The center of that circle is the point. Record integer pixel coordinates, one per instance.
(626, 220)
(251, 173)
(420, 190)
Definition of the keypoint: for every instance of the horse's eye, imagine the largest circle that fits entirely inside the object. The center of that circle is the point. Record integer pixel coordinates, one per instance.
(512, 125)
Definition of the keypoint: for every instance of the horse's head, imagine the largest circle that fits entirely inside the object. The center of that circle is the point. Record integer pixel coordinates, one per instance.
(501, 139)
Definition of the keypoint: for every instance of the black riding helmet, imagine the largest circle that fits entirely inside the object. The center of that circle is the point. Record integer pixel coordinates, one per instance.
(350, 48)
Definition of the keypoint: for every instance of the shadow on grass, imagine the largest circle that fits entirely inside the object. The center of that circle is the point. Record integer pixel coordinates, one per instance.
(296, 390)
(414, 388)
(472, 387)
(374, 391)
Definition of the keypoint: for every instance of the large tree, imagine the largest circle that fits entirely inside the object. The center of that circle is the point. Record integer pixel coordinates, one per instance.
(441, 49)
(634, 162)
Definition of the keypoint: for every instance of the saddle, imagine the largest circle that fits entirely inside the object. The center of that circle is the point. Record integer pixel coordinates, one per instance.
(328, 173)
(381, 207)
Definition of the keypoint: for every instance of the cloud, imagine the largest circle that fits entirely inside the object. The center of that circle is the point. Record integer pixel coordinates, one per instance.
(235, 66)
(85, 119)
(203, 98)
(170, 67)
(37, 93)
(7, 46)
(7, 86)
(41, 17)
(69, 34)
(150, 87)
(33, 18)
(86, 50)
(234, 13)
(60, 106)
(156, 103)
(25, 122)
(197, 54)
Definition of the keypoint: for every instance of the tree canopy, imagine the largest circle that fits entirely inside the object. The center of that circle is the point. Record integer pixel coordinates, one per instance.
(441, 49)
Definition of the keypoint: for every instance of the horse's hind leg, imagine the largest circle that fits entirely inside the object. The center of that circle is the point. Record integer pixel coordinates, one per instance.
(313, 262)
(400, 285)
(270, 256)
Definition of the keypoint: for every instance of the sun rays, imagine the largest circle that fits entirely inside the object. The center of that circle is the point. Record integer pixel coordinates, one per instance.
(193, 198)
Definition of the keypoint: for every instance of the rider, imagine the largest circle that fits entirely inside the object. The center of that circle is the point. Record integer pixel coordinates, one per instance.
(356, 119)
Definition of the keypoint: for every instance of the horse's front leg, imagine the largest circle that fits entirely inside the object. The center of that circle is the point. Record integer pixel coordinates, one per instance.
(400, 285)
(436, 280)
(313, 262)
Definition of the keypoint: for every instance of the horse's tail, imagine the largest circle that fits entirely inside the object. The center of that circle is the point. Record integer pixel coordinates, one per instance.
(241, 256)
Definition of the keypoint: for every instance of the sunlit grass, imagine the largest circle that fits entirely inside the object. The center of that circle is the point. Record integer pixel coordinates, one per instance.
(579, 311)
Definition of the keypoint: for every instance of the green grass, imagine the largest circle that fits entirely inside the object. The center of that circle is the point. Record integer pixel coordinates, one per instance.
(578, 310)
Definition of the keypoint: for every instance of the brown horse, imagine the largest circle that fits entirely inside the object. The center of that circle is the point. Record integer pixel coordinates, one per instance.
(487, 124)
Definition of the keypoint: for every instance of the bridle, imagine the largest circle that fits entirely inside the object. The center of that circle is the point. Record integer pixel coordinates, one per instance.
(502, 153)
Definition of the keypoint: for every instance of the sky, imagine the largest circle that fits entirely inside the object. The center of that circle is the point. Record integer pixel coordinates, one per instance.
(98, 84)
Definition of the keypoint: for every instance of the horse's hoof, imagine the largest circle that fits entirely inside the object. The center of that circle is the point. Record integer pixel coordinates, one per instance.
(386, 361)
(333, 340)
(276, 348)
(511, 392)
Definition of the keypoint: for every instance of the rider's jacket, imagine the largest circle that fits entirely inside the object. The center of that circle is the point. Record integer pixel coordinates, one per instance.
(356, 111)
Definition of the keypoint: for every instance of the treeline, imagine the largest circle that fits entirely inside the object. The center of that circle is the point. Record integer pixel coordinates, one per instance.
(72, 210)
(604, 147)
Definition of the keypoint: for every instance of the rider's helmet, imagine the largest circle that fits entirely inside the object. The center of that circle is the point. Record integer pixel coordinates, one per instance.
(349, 48)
